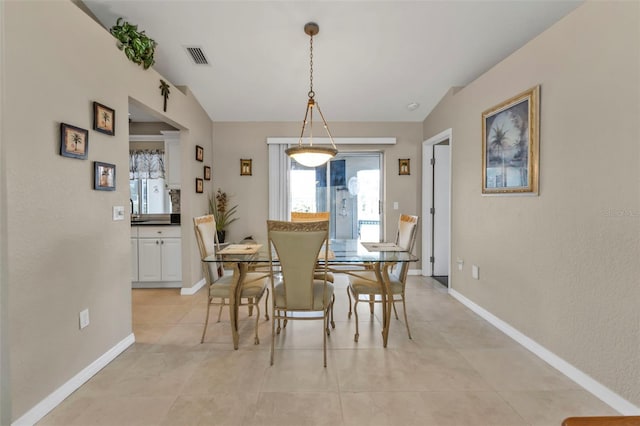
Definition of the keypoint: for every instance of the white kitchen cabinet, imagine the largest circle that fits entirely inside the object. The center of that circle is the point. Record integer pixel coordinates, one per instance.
(172, 158)
(159, 254)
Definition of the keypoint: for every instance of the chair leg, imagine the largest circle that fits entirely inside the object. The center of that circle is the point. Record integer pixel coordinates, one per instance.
(406, 321)
(220, 311)
(394, 308)
(257, 339)
(324, 338)
(251, 305)
(333, 300)
(372, 299)
(278, 330)
(273, 334)
(349, 296)
(355, 311)
(266, 310)
(206, 320)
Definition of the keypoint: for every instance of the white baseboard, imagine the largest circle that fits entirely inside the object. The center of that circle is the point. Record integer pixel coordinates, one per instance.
(414, 272)
(156, 284)
(190, 291)
(600, 391)
(42, 408)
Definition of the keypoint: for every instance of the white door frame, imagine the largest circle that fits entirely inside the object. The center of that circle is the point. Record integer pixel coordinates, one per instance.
(427, 189)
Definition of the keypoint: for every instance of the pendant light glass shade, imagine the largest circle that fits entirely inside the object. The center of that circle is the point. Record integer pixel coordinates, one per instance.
(311, 155)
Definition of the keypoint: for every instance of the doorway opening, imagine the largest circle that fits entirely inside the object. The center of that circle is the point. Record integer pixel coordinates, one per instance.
(349, 187)
(436, 205)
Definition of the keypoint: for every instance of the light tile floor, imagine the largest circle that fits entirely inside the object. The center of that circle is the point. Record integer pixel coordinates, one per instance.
(457, 370)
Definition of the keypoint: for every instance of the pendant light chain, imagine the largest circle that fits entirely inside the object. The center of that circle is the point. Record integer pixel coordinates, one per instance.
(311, 155)
(311, 92)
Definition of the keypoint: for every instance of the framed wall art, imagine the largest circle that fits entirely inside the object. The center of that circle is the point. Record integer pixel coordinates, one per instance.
(74, 141)
(245, 167)
(207, 173)
(510, 145)
(404, 166)
(104, 119)
(104, 176)
(199, 186)
(199, 153)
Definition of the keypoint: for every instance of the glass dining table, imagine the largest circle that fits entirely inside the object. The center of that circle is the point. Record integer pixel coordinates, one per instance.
(345, 256)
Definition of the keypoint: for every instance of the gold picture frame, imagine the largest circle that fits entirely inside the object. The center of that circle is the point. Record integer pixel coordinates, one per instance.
(245, 167)
(510, 145)
(404, 166)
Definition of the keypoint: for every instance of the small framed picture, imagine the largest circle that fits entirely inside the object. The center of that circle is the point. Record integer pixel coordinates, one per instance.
(404, 166)
(199, 186)
(104, 176)
(199, 153)
(104, 119)
(74, 141)
(245, 167)
(207, 173)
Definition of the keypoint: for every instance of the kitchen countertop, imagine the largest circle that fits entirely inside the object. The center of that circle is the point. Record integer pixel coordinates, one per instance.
(154, 223)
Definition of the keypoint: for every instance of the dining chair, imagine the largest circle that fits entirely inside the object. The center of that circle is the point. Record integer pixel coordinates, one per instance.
(366, 283)
(254, 284)
(294, 248)
(313, 217)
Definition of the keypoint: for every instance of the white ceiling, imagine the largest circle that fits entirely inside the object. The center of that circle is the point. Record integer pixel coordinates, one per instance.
(371, 58)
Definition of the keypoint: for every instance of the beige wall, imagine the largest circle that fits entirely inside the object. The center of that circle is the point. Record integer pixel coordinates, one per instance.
(562, 267)
(233, 141)
(5, 399)
(65, 253)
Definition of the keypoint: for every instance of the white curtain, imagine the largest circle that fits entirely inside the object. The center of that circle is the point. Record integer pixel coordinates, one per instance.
(279, 166)
(146, 164)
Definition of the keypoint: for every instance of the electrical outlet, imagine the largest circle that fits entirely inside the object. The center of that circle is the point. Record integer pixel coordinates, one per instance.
(118, 213)
(84, 318)
(475, 272)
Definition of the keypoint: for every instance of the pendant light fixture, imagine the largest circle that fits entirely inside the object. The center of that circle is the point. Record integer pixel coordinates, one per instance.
(312, 155)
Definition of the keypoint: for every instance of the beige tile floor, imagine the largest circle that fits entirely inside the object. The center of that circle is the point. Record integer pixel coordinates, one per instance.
(457, 370)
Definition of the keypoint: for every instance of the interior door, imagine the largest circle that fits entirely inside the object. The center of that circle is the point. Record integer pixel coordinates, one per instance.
(440, 251)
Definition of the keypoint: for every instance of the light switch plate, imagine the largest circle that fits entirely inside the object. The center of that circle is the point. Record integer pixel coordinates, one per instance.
(84, 318)
(118, 212)
(475, 272)
(395, 205)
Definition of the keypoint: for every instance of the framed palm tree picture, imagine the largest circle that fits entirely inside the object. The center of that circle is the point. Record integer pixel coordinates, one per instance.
(74, 141)
(104, 119)
(510, 145)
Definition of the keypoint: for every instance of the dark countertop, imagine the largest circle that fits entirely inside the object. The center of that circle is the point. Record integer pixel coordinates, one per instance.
(154, 223)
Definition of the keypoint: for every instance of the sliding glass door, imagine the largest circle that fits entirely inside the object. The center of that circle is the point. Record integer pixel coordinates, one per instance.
(349, 187)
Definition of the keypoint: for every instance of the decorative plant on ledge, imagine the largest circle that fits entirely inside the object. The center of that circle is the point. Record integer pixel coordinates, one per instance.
(219, 208)
(138, 47)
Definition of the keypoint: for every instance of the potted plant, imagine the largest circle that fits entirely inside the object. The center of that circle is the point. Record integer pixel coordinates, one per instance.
(219, 208)
(138, 47)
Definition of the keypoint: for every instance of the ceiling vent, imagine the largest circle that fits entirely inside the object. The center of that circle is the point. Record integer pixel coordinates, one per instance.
(197, 55)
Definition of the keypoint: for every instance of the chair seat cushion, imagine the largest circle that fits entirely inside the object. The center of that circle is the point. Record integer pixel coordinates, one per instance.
(320, 275)
(367, 283)
(318, 285)
(255, 284)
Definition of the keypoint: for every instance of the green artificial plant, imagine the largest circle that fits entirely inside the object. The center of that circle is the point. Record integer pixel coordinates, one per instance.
(138, 47)
(219, 208)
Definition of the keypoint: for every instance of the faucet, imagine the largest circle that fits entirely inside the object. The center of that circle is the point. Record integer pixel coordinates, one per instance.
(133, 216)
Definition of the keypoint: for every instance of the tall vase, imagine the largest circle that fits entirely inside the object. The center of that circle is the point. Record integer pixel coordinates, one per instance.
(221, 235)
